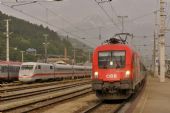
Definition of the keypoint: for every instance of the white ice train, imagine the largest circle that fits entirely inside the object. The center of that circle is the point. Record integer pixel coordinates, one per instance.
(33, 71)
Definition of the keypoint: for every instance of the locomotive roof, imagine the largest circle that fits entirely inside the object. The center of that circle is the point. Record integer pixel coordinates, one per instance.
(114, 46)
(35, 63)
(57, 65)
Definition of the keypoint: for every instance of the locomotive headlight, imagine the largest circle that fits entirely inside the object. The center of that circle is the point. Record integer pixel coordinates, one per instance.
(127, 74)
(111, 63)
(96, 74)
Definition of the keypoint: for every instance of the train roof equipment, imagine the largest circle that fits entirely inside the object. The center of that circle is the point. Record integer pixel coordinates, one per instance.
(119, 38)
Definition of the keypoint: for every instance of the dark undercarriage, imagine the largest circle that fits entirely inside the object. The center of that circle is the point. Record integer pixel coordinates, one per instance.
(112, 90)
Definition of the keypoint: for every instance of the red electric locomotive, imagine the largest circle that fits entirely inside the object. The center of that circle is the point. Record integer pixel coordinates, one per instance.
(117, 71)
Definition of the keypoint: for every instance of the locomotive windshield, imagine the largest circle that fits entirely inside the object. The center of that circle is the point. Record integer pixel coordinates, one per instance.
(111, 59)
(27, 67)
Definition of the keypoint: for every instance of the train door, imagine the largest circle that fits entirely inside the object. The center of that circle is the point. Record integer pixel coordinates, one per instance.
(10, 72)
(52, 71)
(4, 72)
(1, 74)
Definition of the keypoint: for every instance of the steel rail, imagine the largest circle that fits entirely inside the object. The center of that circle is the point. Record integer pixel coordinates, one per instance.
(36, 85)
(91, 108)
(35, 92)
(98, 105)
(39, 102)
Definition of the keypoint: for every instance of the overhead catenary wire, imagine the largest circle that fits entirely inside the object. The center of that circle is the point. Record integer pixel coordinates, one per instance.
(57, 15)
(114, 11)
(52, 25)
(141, 16)
(110, 18)
(43, 6)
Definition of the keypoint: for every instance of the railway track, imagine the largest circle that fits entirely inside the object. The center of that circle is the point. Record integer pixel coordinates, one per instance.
(36, 91)
(102, 107)
(20, 86)
(5, 84)
(116, 106)
(33, 102)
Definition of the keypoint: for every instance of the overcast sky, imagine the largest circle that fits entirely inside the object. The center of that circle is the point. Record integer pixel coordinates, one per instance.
(85, 18)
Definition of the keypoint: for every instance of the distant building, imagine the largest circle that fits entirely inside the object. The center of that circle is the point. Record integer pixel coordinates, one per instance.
(60, 62)
(57, 58)
(31, 51)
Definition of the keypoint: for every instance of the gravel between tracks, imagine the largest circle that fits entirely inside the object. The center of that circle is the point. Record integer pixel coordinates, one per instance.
(70, 106)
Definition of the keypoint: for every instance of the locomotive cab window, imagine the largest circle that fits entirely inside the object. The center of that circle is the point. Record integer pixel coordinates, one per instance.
(111, 59)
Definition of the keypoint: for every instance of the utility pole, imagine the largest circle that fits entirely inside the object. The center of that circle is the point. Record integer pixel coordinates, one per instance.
(65, 54)
(156, 46)
(89, 56)
(122, 21)
(162, 41)
(22, 56)
(74, 61)
(7, 39)
(45, 47)
(65, 50)
(100, 35)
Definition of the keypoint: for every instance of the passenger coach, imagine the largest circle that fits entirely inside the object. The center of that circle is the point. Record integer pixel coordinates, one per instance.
(9, 70)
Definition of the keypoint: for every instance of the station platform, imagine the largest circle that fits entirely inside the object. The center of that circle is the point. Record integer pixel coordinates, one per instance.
(155, 98)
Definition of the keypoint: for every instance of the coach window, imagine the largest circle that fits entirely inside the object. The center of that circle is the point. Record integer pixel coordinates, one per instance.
(39, 67)
(10, 69)
(4, 69)
(26, 67)
(51, 67)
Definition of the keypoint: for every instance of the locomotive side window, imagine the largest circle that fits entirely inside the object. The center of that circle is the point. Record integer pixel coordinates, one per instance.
(111, 59)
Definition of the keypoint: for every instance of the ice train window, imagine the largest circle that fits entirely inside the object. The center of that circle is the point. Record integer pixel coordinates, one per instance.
(51, 67)
(27, 67)
(39, 67)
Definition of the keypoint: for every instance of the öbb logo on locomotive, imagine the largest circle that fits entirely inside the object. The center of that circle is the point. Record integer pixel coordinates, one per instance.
(111, 76)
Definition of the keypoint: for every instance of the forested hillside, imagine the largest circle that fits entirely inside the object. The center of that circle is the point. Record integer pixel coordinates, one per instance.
(27, 35)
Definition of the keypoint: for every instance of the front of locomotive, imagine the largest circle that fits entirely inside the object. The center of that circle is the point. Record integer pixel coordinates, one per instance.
(111, 71)
(26, 72)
